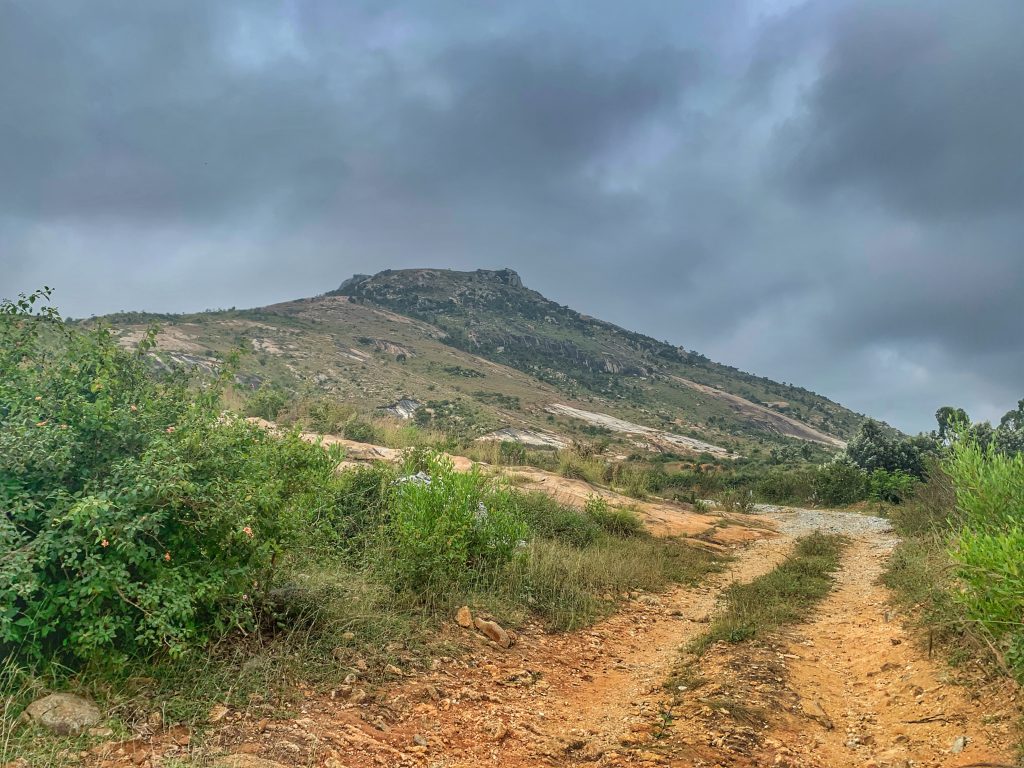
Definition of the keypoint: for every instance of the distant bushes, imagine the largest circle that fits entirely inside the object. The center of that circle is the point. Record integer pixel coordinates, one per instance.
(839, 482)
(778, 486)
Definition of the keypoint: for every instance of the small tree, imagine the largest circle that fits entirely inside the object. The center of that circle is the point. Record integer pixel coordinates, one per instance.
(1009, 436)
(951, 421)
(873, 448)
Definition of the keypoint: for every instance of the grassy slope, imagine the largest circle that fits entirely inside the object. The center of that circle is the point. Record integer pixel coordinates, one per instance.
(489, 352)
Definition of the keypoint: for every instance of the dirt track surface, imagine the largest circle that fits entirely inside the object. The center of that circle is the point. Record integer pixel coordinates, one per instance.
(848, 688)
(887, 703)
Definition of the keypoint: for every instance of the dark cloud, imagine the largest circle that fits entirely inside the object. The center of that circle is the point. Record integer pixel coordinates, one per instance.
(917, 106)
(826, 193)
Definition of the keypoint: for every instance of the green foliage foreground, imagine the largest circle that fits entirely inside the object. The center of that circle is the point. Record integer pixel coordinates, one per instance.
(961, 563)
(989, 544)
(138, 518)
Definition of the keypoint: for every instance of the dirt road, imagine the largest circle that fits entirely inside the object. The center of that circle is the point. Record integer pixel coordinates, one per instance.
(849, 688)
(887, 703)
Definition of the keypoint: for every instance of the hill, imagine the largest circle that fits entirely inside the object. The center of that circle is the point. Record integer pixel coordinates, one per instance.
(479, 354)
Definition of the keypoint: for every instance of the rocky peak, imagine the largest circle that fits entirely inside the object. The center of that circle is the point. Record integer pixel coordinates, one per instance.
(505, 276)
(349, 284)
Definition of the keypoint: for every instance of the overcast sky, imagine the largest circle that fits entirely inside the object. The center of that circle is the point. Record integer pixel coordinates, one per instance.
(827, 193)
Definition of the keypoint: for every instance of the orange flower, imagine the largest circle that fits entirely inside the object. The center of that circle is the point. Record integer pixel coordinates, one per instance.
(247, 531)
(169, 430)
(167, 556)
(104, 543)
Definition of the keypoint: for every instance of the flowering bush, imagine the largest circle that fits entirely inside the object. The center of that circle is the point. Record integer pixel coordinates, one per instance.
(137, 518)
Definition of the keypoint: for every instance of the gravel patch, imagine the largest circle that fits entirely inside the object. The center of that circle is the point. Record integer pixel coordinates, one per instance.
(800, 522)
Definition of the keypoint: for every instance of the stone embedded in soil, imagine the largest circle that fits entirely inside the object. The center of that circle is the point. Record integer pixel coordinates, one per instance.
(814, 710)
(493, 631)
(464, 618)
(64, 713)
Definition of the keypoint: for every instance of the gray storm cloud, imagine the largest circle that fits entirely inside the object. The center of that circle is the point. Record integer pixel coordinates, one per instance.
(825, 193)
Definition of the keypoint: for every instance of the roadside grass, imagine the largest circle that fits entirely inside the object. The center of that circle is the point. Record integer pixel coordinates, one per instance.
(616, 521)
(785, 595)
(320, 626)
(922, 574)
(569, 587)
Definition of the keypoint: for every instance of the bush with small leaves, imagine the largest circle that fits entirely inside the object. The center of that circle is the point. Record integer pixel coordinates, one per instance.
(138, 519)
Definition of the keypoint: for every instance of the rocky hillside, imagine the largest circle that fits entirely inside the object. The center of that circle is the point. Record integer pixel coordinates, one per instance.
(477, 352)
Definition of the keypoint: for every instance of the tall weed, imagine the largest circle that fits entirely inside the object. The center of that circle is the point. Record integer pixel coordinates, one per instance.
(989, 547)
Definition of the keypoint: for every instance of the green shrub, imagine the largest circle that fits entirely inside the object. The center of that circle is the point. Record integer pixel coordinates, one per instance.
(614, 520)
(513, 453)
(266, 403)
(138, 519)
(448, 532)
(361, 431)
(840, 481)
(780, 486)
(548, 519)
(323, 415)
(358, 507)
(893, 487)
